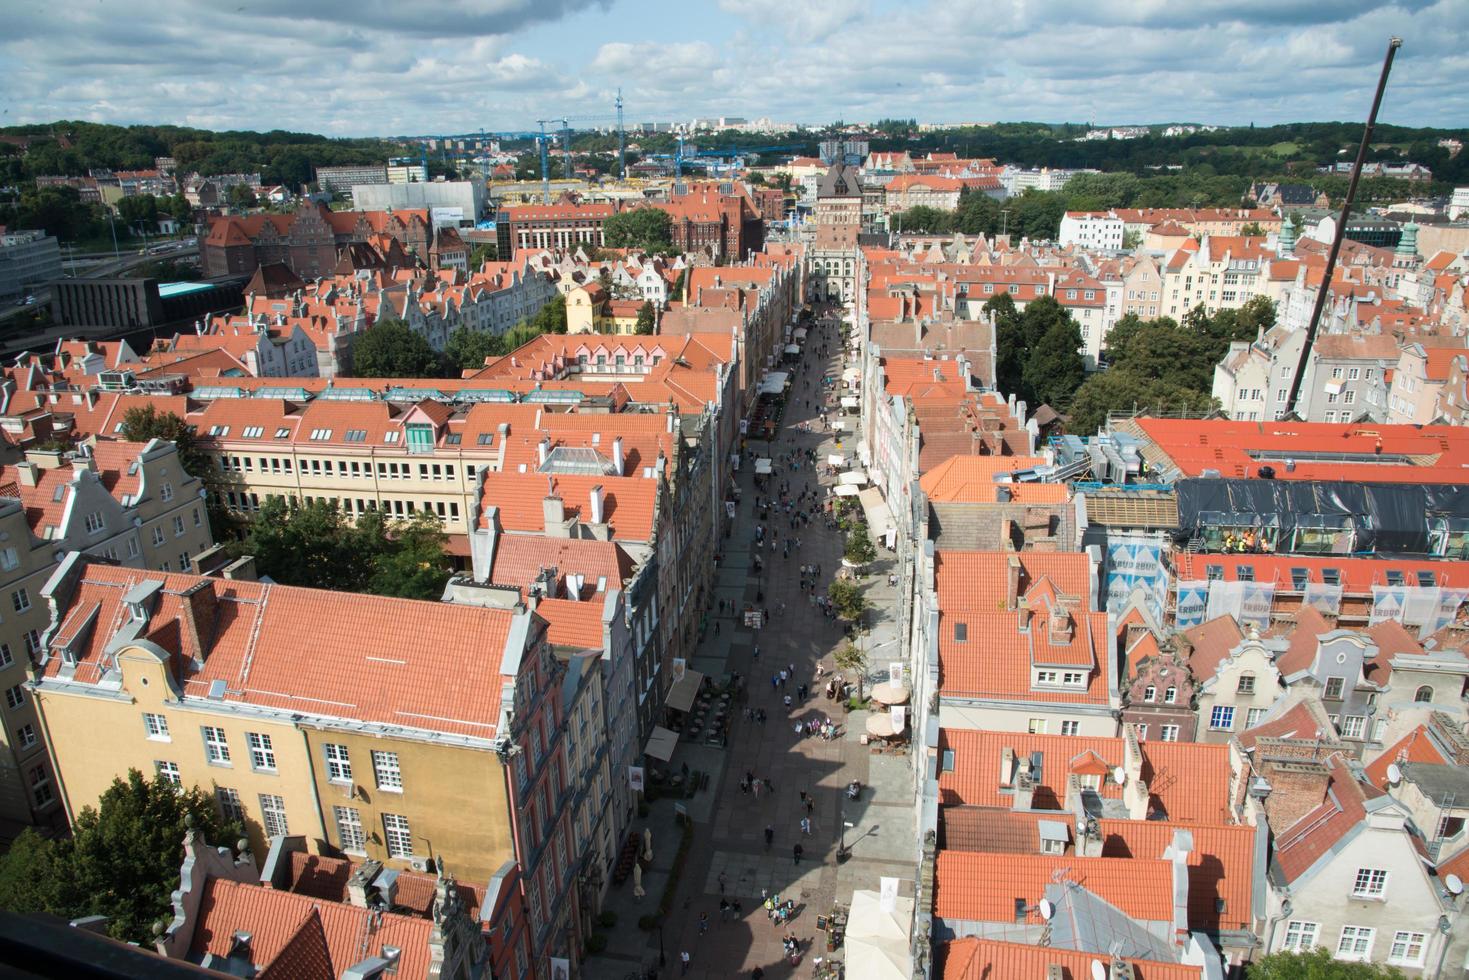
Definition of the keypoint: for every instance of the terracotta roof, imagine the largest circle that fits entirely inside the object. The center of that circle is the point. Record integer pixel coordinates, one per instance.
(970, 478)
(1221, 865)
(1188, 781)
(572, 623)
(988, 959)
(382, 660)
(1298, 846)
(971, 886)
(519, 558)
(291, 934)
(1298, 722)
(320, 876)
(991, 829)
(1357, 575)
(1416, 746)
(629, 502)
(963, 578)
(1211, 643)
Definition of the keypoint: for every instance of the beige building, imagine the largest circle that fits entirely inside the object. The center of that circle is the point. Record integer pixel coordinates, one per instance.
(125, 502)
(1220, 273)
(1238, 691)
(1142, 286)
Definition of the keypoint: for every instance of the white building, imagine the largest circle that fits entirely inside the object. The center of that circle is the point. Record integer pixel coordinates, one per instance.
(467, 196)
(1092, 229)
(27, 259)
(1459, 203)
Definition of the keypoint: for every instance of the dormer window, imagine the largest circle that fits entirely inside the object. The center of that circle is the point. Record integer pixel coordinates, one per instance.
(391, 436)
(961, 632)
(321, 435)
(284, 432)
(420, 437)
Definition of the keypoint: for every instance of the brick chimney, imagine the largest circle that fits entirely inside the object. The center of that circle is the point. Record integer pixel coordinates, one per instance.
(1062, 628)
(1451, 736)
(1012, 582)
(553, 511)
(197, 614)
(1297, 786)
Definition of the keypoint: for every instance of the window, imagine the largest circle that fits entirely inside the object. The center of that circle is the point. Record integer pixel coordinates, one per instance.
(1352, 374)
(1370, 883)
(1448, 827)
(1355, 943)
(1407, 948)
(1170, 695)
(229, 803)
(1142, 732)
(1222, 718)
(15, 697)
(170, 772)
(273, 815)
(1253, 716)
(41, 790)
(1334, 687)
(158, 537)
(1070, 728)
(167, 493)
(1246, 684)
(95, 524)
(9, 559)
(349, 830)
(20, 599)
(216, 746)
(157, 726)
(5, 658)
(1353, 726)
(254, 431)
(338, 764)
(946, 766)
(398, 836)
(1037, 726)
(1424, 695)
(178, 525)
(1168, 733)
(25, 737)
(389, 776)
(1301, 935)
(262, 753)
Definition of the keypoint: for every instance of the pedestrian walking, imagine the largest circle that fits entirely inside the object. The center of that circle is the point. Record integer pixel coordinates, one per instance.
(811, 804)
(796, 852)
(722, 879)
(723, 910)
(684, 959)
(803, 796)
(769, 786)
(769, 837)
(703, 923)
(806, 826)
(801, 692)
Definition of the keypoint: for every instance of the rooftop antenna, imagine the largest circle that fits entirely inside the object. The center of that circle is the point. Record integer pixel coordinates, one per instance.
(1341, 226)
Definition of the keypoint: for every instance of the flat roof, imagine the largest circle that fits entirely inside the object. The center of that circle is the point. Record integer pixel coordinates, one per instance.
(168, 289)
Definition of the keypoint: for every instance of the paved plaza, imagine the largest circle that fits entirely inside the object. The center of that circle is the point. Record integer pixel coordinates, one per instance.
(729, 824)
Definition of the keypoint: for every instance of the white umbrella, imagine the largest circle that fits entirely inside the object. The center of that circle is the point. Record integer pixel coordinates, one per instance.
(637, 881)
(648, 844)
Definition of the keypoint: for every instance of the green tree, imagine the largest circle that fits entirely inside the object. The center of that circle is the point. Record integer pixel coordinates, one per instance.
(241, 196)
(1010, 345)
(551, 318)
(647, 228)
(977, 214)
(923, 219)
(481, 253)
(1252, 229)
(680, 285)
(1161, 350)
(849, 657)
(846, 599)
(315, 544)
(58, 211)
(1131, 240)
(146, 422)
(414, 565)
(390, 349)
(1318, 964)
(122, 860)
(860, 549)
(1054, 368)
(467, 349)
(140, 210)
(647, 318)
(1120, 389)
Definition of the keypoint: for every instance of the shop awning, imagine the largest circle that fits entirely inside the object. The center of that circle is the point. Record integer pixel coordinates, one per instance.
(843, 425)
(847, 491)
(661, 743)
(800, 333)
(836, 459)
(889, 693)
(879, 517)
(877, 943)
(881, 725)
(773, 383)
(850, 401)
(792, 349)
(852, 374)
(685, 689)
(856, 478)
(763, 466)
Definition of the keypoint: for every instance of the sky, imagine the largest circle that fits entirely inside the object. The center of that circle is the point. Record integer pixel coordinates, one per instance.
(395, 67)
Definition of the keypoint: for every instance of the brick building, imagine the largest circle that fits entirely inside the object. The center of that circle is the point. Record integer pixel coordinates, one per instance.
(306, 241)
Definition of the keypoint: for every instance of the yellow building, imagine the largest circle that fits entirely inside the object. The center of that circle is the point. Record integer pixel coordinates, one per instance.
(124, 501)
(373, 724)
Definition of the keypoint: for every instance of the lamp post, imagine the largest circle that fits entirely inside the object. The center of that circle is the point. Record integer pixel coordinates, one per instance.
(662, 961)
(842, 851)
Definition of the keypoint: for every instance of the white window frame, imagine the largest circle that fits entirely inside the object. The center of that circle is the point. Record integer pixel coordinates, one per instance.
(1165, 730)
(338, 763)
(169, 771)
(387, 771)
(1360, 939)
(350, 836)
(1301, 935)
(1370, 883)
(397, 835)
(1073, 726)
(228, 800)
(216, 746)
(273, 815)
(262, 752)
(156, 726)
(1406, 939)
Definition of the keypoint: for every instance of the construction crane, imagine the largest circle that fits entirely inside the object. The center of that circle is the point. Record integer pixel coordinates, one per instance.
(565, 131)
(544, 141)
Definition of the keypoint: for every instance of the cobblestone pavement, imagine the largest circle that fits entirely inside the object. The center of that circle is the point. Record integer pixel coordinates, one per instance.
(729, 824)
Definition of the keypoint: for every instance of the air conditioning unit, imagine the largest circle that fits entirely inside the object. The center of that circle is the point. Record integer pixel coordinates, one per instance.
(419, 864)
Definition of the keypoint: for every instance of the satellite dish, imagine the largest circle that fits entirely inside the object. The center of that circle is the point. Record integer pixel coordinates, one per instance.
(1394, 774)
(1048, 910)
(1455, 883)
(1099, 972)
(1119, 775)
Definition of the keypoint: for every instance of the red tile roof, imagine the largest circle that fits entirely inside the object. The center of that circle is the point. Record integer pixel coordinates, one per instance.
(1429, 454)
(1188, 781)
(989, 959)
(320, 876)
(1416, 746)
(628, 501)
(519, 559)
(971, 886)
(971, 478)
(382, 660)
(291, 935)
(1298, 846)
(1357, 575)
(572, 623)
(1221, 865)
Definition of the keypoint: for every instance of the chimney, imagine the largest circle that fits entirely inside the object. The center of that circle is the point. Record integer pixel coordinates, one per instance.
(1177, 854)
(197, 611)
(1061, 626)
(1135, 794)
(1012, 582)
(27, 473)
(542, 448)
(1024, 786)
(554, 513)
(596, 501)
(617, 455)
(360, 884)
(1297, 786)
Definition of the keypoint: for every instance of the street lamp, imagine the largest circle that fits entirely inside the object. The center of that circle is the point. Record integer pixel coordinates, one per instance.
(662, 961)
(842, 851)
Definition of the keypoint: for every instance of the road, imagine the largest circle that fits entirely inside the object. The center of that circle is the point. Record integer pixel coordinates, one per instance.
(728, 855)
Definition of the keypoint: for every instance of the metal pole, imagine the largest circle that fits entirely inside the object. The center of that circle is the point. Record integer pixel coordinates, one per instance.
(1341, 226)
(621, 140)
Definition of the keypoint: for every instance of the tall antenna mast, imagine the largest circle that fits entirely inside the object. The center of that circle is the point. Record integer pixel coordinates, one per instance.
(621, 140)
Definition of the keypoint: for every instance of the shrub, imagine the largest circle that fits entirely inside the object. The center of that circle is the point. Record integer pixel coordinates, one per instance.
(607, 919)
(648, 922)
(642, 809)
(665, 904)
(596, 942)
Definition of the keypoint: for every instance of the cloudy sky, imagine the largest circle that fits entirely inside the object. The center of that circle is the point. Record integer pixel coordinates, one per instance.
(361, 67)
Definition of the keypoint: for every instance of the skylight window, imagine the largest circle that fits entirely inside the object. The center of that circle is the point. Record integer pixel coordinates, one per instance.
(391, 437)
(253, 431)
(1426, 580)
(356, 435)
(284, 432)
(321, 435)
(219, 430)
(1394, 576)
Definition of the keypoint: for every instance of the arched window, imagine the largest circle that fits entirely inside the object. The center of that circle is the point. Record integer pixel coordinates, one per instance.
(1423, 695)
